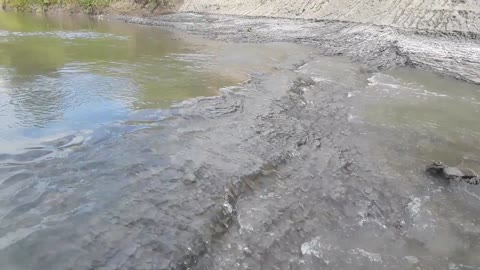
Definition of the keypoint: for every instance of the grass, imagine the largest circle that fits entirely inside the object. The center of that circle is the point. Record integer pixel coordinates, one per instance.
(89, 6)
(92, 5)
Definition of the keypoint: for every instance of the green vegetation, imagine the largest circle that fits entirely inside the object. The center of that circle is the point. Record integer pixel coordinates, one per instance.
(23, 5)
(92, 5)
(89, 6)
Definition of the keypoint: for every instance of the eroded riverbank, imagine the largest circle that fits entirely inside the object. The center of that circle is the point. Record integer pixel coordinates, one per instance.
(288, 170)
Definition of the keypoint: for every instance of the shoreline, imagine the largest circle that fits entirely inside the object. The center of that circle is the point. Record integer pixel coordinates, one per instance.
(447, 53)
(453, 54)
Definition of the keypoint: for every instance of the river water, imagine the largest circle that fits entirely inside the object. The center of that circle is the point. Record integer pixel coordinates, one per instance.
(115, 152)
(437, 117)
(70, 76)
(66, 77)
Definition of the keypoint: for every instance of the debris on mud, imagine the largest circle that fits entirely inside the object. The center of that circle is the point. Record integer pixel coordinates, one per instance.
(438, 169)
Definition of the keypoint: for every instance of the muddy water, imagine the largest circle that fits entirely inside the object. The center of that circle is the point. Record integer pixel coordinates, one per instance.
(76, 195)
(101, 136)
(413, 118)
(66, 81)
(62, 79)
(438, 117)
(70, 76)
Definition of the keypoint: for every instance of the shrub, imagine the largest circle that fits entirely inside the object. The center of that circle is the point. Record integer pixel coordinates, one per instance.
(91, 6)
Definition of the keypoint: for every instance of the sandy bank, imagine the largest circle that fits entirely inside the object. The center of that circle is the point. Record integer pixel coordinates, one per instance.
(450, 15)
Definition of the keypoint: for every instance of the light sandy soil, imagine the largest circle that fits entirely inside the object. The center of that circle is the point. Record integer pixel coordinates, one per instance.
(445, 15)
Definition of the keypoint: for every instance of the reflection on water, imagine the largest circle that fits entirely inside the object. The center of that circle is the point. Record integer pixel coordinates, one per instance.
(441, 113)
(64, 75)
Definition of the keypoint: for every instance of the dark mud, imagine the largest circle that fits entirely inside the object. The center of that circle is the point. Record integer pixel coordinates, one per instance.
(274, 174)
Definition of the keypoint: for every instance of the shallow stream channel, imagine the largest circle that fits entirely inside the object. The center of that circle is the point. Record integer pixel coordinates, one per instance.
(136, 147)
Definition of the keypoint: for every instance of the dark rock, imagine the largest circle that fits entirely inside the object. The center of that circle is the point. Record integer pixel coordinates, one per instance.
(440, 170)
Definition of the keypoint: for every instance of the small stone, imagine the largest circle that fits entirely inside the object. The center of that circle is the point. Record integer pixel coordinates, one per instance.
(182, 227)
(189, 179)
(473, 181)
(452, 172)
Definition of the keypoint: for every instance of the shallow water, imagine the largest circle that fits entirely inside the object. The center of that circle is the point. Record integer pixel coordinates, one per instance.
(63, 79)
(413, 118)
(91, 136)
(71, 76)
(75, 194)
(440, 116)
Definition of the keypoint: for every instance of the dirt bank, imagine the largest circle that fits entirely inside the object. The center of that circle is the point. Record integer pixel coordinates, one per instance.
(450, 15)
(437, 15)
(441, 36)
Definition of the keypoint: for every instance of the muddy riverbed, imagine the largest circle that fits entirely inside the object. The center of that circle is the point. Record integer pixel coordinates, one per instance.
(304, 162)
